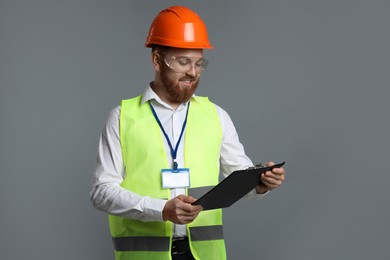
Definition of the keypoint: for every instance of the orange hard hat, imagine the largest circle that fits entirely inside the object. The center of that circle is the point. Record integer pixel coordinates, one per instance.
(179, 27)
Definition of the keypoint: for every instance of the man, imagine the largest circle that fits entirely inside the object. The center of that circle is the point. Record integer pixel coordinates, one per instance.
(159, 148)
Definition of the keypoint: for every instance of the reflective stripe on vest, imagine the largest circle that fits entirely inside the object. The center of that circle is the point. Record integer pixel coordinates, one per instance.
(141, 243)
(159, 244)
(206, 233)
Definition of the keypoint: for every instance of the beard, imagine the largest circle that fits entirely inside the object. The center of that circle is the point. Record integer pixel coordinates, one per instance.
(177, 93)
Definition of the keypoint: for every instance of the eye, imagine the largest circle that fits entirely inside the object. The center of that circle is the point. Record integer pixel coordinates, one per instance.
(183, 60)
(200, 63)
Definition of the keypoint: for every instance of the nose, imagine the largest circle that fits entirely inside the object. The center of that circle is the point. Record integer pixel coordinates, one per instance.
(192, 70)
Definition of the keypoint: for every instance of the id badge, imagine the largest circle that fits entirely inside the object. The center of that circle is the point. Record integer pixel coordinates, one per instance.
(175, 179)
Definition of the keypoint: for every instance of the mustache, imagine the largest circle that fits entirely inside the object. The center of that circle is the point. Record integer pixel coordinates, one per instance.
(192, 78)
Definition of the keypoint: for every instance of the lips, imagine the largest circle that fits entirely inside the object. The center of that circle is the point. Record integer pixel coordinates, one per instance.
(187, 82)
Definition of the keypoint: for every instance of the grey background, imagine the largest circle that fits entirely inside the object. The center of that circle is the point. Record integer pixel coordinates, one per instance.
(304, 81)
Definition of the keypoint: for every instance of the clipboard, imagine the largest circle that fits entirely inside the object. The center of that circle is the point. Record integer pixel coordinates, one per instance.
(233, 187)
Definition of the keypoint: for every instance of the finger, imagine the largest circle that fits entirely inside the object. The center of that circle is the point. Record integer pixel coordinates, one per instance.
(188, 215)
(275, 173)
(278, 171)
(187, 204)
(185, 216)
(273, 178)
(271, 181)
(192, 209)
(186, 199)
(185, 220)
(268, 174)
(269, 164)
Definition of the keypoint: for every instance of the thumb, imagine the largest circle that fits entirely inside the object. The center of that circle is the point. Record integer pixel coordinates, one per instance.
(270, 164)
(187, 199)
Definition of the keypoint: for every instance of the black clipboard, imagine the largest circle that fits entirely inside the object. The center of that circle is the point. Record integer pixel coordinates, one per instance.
(233, 187)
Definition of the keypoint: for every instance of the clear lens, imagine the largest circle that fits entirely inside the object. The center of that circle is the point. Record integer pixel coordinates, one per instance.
(184, 64)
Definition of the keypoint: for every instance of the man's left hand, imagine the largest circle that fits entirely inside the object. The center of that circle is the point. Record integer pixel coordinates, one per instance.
(270, 179)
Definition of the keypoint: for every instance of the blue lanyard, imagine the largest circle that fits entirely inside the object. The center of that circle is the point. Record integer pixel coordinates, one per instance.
(173, 151)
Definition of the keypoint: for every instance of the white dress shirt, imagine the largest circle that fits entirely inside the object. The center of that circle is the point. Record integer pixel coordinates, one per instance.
(107, 195)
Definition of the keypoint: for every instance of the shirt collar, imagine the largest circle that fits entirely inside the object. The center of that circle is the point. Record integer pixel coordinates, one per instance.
(149, 94)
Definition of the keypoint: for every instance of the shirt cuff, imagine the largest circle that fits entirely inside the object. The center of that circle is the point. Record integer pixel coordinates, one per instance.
(254, 195)
(153, 209)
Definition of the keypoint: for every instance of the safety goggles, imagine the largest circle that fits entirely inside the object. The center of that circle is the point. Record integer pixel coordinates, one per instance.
(183, 64)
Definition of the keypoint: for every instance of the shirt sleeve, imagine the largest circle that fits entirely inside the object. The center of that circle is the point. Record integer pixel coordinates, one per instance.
(107, 194)
(233, 155)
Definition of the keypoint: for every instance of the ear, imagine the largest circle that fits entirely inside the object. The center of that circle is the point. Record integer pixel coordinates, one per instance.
(156, 61)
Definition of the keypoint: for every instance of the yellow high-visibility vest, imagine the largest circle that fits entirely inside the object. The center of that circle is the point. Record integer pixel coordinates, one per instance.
(144, 156)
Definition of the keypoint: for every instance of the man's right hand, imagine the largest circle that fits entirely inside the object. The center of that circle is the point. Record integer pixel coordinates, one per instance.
(180, 211)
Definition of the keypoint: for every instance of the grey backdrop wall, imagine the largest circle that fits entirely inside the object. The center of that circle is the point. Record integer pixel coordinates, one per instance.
(304, 81)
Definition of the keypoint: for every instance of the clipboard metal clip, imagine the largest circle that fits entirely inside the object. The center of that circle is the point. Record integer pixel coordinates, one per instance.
(257, 166)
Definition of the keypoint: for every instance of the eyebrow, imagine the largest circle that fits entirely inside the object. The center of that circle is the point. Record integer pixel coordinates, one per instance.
(188, 57)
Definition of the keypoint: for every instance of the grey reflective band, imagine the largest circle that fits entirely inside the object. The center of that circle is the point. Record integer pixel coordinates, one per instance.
(199, 192)
(156, 244)
(162, 244)
(206, 233)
